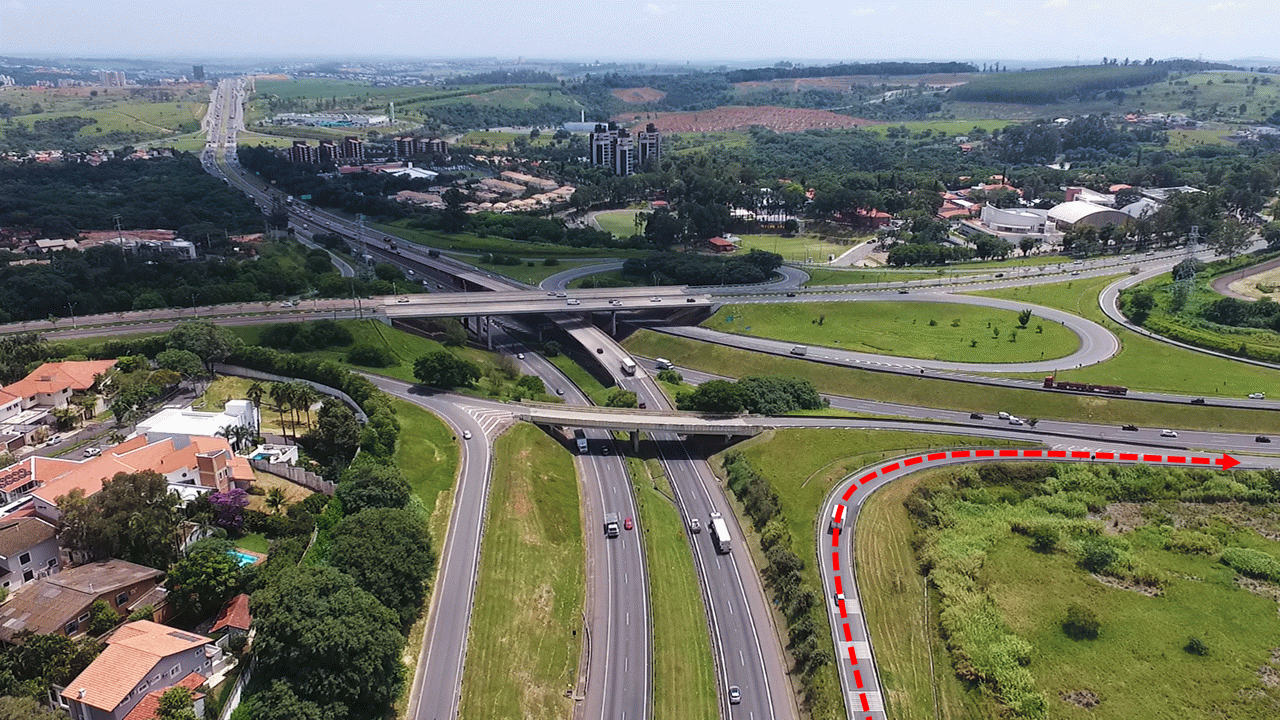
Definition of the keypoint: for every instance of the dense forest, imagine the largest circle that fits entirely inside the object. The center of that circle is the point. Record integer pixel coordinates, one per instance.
(1049, 85)
(876, 68)
(62, 199)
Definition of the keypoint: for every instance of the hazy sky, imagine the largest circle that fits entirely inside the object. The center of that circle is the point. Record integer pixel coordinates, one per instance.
(665, 29)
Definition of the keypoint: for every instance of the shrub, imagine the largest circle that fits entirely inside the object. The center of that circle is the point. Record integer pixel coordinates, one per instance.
(371, 356)
(1044, 537)
(1253, 563)
(1196, 646)
(1191, 542)
(1081, 623)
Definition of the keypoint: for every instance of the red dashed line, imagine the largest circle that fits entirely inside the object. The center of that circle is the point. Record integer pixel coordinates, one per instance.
(1176, 459)
(835, 537)
(1057, 453)
(1009, 453)
(1128, 456)
(857, 678)
(835, 562)
(848, 635)
(889, 468)
(914, 461)
(843, 614)
(1080, 455)
(937, 456)
(985, 453)
(1201, 461)
(960, 454)
(839, 513)
(867, 478)
(865, 707)
(1106, 456)
(1152, 458)
(853, 656)
(1032, 453)
(839, 587)
(849, 493)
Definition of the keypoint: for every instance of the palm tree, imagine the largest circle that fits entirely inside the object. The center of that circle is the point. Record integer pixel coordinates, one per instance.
(280, 394)
(255, 393)
(227, 432)
(275, 499)
(306, 396)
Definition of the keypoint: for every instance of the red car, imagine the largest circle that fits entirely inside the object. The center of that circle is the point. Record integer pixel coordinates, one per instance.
(627, 523)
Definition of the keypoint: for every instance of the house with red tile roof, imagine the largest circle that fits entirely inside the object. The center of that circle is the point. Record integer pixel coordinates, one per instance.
(59, 604)
(191, 464)
(149, 707)
(234, 617)
(141, 658)
(27, 405)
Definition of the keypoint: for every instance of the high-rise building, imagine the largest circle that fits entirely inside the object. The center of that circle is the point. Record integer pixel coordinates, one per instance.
(111, 78)
(404, 146)
(614, 147)
(648, 145)
(352, 148)
(302, 152)
(197, 72)
(328, 151)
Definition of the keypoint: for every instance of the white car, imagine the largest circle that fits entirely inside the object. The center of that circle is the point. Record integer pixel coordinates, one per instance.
(694, 525)
(466, 434)
(519, 356)
(735, 695)
(1168, 433)
(572, 301)
(403, 300)
(1015, 421)
(1257, 396)
(655, 298)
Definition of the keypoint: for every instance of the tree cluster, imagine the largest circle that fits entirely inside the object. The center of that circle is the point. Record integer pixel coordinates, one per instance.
(690, 269)
(758, 395)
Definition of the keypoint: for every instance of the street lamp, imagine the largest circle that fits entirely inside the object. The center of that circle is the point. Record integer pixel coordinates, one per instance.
(71, 310)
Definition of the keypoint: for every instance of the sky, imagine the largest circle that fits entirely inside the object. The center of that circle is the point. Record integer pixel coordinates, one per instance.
(671, 30)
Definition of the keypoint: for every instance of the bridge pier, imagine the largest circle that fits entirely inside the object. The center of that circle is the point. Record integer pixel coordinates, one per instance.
(488, 330)
(635, 441)
(613, 323)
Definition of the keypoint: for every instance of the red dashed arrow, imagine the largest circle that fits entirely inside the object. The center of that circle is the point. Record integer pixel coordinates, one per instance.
(1226, 462)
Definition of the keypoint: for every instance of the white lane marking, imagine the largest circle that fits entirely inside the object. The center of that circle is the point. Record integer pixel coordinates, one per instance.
(874, 702)
(742, 659)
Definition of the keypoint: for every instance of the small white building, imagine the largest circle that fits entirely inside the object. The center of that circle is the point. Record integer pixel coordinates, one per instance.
(1023, 221)
(174, 422)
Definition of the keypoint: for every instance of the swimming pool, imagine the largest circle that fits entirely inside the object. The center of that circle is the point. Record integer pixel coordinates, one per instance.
(244, 559)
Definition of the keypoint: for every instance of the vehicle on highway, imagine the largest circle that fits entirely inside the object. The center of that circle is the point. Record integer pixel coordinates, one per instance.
(837, 598)
(560, 295)
(519, 356)
(1198, 401)
(719, 533)
(800, 350)
(628, 366)
(599, 351)
(662, 364)
(791, 294)
(611, 524)
(580, 437)
(655, 298)
(287, 303)
(1051, 382)
(975, 416)
(604, 450)
(696, 527)
(466, 434)
(403, 300)
(1262, 438)
(559, 391)
(1075, 272)
(1168, 433)
(1015, 420)
(573, 301)
(628, 524)
(1130, 428)
(735, 695)
(552, 293)
(1002, 415)
(903, 291)
(1258, 396)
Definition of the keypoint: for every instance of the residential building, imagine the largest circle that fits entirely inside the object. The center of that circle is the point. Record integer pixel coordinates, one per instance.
(648, 145)
(722, 245)
(612, 147)
(28, 551)
(148, 708)
(59, 604)
(302, 152)
(192, 465)
(234, 616)
(140, 658)
(404, 146)
(183, 421)
(352, 148)
(328, 151)
(27, 406)
(197, 72)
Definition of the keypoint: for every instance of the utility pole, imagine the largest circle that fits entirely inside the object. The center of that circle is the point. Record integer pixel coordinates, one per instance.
(71, 310)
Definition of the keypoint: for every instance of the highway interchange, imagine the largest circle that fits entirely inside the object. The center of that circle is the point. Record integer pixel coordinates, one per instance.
(617, 683)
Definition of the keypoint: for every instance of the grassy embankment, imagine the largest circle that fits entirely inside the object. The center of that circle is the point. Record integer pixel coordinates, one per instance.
(803, 466)
(474, 245)
(929, 392)
(1144, 363)
(524, 644)
(683, 673)
(148, 114)
(934, 331)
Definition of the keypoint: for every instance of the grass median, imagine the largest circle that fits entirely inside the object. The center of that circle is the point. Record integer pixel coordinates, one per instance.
(684, 679)
(522, 654)
(1144, 363)
(933, 331)
(945, 394)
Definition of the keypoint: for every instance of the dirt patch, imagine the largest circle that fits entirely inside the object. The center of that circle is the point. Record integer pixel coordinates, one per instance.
(1086, 699)
(293, 493)
(724, 119)
(638, 95)
(1259, 588)
(1268, 675)
(1120, 518)
(1129, 585)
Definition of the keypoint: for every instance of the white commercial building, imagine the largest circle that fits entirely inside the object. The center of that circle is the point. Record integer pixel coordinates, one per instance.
(1023, 221)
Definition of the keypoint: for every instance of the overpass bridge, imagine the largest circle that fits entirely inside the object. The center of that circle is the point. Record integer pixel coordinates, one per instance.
(636, 421)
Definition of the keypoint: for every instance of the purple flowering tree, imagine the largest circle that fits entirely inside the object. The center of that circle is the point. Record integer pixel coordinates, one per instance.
(228, 508)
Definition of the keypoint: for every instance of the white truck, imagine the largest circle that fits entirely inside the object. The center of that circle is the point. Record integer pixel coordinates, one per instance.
(628, 366)
(663, 364)
(719, 533)
(580, 436)
(611, 524)
(800, 350)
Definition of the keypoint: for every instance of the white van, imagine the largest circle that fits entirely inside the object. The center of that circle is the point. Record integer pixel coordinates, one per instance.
(663, 364)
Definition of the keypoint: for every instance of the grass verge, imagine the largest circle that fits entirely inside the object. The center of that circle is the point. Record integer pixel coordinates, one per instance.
(523, 650)
(929, 392)
(1144, 363)
(684, 679)
(933, 331)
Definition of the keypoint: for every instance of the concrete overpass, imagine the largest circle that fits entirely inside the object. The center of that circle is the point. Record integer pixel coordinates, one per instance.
(637, 421)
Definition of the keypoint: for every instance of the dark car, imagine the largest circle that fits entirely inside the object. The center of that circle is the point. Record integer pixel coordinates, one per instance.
(643, 406)
(1262, 438)
(1130, 428)
(1198, 401)
(903, 291)
(975, 416)
(999, 274)
(791, 294)
(599, 351)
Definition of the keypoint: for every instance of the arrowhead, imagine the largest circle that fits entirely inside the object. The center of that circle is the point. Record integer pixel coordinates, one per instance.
(1227, 462)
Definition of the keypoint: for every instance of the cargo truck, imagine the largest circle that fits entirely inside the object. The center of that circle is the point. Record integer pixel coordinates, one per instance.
(580, 436)
(611, 524)
(628, 366)
(800, 350)
(719, 533)
(1051, 382)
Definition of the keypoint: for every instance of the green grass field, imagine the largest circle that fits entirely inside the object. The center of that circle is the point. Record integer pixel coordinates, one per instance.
(526, 274)
(802, 466)
(929, 392)
(799, 248)
(406, 347)
(428, 455)
(940, 128)
(525, 629)
(468, 243)
(902, 329)
(1144, 363)
(621, 223)
(819, 276)
(149, 113)
(684, 682)
(910, 657)
(585, 381)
